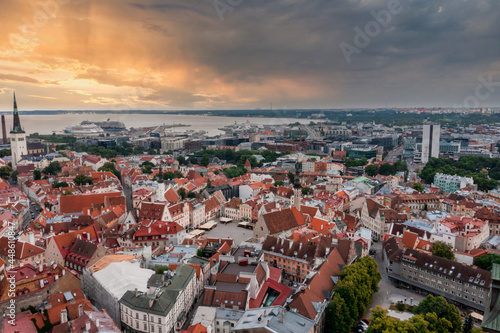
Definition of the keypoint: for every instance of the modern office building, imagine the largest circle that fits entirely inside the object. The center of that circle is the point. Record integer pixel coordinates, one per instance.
(430, 142)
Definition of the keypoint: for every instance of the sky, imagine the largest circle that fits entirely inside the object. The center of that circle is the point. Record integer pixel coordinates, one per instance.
(246, 54)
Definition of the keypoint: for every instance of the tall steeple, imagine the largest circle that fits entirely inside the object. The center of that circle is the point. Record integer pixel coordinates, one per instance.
(297, 188)
(160, 191)
(160, 175)
(18, 145)
(17, 122)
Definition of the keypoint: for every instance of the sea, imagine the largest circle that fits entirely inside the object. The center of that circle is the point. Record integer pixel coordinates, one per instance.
(48, 124)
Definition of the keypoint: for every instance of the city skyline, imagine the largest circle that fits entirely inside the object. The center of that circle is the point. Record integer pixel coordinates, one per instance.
(187, 55)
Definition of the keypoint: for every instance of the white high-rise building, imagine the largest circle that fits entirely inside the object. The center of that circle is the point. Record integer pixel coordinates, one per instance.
(430, 142)
(18, 145)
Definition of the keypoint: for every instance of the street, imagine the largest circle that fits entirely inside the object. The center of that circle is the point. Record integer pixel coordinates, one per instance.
(388, 294)
(394, 155)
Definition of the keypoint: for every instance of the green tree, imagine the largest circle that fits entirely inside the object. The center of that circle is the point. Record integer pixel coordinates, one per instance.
(307, 190)
(205, 160)
(234, 172)
(57, 184)
(37, 175)
(5, 172)
(418, 187)
(182, 193)
(387, 169)
(160, 269)
(446, 315)
(279, 183)
(82, 180)
(337, 319)
(67, 192)
(138, 150)
(291, 177)
(53, 168)
(353, 293)
(371, 170)
(13, 176)
(486, 261)
(191, 195)
(468, 324)
(182, 160)
(110, 167)
(443, 250)
(147, 167)
(5, 152)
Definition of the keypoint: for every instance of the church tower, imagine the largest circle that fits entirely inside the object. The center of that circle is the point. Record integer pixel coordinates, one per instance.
(297, 188)
(17, 139)
(160, 191)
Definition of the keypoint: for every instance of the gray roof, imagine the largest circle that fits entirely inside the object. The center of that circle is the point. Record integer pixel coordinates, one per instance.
(419, 224)
(276, 319)
(229, 314)
(163, 299)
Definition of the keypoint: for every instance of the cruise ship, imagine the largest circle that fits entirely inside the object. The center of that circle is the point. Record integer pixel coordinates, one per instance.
(84, 130)
(108, 125)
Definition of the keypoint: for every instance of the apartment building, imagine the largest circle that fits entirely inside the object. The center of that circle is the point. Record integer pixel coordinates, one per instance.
(459, 283)
(463, 233)
(231, 209)
(164, 307)
(449, 183)
(378, 218)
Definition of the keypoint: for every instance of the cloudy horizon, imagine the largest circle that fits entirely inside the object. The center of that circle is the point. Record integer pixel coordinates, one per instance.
(242, 54)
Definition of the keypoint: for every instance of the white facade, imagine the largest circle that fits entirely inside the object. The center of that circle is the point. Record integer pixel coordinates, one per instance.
(18, 147)
(197, 215)
(430, 142)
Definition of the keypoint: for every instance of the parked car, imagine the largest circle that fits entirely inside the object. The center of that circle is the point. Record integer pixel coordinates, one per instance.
(361, 327)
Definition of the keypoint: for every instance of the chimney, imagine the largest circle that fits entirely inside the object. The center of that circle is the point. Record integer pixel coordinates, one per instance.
(64, 316)
(97, 322)
(136, 292)
(80, 310)
(4, 131)
(31, 238)
(40, 268)
(87, 326)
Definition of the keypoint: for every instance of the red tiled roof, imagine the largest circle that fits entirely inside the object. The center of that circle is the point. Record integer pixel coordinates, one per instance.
(76, 203)
(283, 220)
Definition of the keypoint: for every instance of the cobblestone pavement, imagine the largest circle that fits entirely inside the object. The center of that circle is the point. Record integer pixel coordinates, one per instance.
(230, 230)
(388, 293)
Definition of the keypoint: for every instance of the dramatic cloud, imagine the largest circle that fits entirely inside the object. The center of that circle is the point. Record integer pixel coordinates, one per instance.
(191, 54)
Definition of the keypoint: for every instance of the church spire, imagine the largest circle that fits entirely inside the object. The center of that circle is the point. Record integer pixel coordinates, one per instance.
(296, 183)
(17, 123)
(297, 188)
(160, 175)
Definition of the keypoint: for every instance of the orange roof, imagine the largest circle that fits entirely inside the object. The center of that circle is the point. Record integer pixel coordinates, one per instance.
(76, 203)
(64, 241)
(171, 195)
(198, 328)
